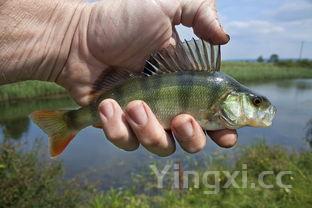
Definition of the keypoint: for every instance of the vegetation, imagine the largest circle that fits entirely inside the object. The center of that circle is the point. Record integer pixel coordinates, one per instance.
(274, 58)
(26, 181)
(16, 110)
(258, 158)
(259, 72)
(30, 89)
(304, 63)
(14, 117)
(242, 71)
(260, 59)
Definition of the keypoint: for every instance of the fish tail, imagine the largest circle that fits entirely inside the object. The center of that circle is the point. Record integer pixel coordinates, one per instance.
(54, 123)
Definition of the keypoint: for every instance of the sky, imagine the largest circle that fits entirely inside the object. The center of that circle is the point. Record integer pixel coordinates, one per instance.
(264, 27)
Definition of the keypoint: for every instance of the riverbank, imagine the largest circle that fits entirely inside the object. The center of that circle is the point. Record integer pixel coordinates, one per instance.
(27, 182)
(242, 71)
(31, 89)
(262, 72)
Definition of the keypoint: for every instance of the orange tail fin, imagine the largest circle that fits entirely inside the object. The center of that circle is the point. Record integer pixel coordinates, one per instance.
(54, 124)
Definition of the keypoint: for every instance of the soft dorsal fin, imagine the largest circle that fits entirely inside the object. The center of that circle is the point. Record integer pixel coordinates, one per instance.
(109, 79)
(193, 55)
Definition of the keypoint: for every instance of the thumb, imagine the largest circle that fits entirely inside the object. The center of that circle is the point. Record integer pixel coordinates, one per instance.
(202, 16)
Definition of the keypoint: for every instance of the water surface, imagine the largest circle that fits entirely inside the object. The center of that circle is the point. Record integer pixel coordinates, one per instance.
(91, 154)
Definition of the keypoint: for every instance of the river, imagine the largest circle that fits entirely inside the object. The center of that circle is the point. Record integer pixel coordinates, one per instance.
(91, 154)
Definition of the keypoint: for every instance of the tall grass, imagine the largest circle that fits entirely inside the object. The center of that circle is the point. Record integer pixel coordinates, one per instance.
(26, 181)
(30, 89)
(258, 158)
(259, 72)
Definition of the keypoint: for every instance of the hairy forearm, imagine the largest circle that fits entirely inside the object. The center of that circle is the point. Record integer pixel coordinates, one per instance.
(35, 37)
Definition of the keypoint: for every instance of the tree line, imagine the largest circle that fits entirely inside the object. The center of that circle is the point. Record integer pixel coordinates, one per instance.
(274, 59)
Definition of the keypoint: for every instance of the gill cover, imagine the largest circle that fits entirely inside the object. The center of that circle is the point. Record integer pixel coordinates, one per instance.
(246, 109)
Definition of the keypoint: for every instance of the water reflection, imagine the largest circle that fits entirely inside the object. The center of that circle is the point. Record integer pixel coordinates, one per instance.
(300, 84)
(21, 109)
(308, 135)
(14, 128)
(14, 120)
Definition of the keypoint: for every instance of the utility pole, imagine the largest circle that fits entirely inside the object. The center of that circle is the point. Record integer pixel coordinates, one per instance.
(301, 49)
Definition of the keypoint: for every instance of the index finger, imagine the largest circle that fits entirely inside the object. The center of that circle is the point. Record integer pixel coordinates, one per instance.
(202, 16)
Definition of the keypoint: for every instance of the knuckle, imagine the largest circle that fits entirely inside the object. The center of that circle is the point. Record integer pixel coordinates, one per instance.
(194, 146)
(116, 136)
(153, 140)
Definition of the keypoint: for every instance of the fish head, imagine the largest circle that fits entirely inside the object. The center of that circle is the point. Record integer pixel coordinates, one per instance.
(247, 109)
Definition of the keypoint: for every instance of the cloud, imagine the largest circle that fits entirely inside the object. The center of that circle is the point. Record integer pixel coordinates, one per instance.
(300, 30)
(276, 27)
(292, 11)
(263, 28)
(253, 27)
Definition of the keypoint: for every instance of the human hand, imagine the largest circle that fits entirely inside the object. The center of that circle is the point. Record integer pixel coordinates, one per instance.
(122, 34)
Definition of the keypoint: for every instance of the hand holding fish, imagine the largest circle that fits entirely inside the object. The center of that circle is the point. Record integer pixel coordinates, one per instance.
(78, 44)
(114, 35)
(122, 34)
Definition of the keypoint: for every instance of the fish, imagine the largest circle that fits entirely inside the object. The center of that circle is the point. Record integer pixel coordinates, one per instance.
(185, 78)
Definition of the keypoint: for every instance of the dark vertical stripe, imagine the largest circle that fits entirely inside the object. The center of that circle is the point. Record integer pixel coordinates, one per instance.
(185, 86)
(152, 84)
(145, 86)
(118, 93)
(156, 85)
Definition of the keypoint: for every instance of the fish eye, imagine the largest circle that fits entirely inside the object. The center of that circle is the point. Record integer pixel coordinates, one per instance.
(257, 101)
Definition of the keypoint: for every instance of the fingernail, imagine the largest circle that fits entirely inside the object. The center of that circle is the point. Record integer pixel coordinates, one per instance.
(138, 114)
(184, 131)
(106, 110)
(228, 37)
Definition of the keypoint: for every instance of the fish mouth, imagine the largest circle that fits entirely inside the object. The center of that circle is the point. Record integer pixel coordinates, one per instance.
(265, 119)
(269, 115)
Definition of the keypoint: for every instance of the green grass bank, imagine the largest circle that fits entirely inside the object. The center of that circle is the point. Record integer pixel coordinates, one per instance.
(242, 71)
(260, 72)
(30, 89)
(27, 182)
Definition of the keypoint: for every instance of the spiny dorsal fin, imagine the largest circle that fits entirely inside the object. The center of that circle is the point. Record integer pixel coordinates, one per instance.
(193, 55)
